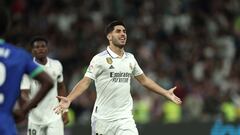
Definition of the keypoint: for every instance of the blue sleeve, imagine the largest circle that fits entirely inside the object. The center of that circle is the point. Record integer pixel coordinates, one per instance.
(32, 68)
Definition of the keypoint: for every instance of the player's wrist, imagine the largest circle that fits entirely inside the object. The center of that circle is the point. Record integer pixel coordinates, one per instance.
(69, 99)
(166, 93)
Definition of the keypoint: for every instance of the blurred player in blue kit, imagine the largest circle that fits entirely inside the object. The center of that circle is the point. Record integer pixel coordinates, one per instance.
(14, 63)
(112, 71)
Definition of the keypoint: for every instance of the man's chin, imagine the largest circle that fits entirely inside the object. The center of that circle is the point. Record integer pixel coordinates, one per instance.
(120, 45)
(40, 56)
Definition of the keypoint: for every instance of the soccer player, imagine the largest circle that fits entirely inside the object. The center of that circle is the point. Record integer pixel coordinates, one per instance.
(14, 63)
(42, 120)
(112, 71)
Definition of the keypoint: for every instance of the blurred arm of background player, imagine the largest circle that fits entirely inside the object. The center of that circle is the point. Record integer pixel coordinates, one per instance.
(24, 98)
(46, 84)
(151, 85)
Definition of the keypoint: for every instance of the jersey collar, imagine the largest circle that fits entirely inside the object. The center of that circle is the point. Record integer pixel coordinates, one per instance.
(46, 65)
(113, 54)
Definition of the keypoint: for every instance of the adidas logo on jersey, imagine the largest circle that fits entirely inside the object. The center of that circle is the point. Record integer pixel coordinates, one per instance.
(111, 67)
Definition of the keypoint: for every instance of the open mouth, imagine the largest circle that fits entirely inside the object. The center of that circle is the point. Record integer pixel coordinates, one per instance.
(122, 39)
(41, 53)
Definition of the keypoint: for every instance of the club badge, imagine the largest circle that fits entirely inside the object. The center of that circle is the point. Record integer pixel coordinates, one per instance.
(109, 60)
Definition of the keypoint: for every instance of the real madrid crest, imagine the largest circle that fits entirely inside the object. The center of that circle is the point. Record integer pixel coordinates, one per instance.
(109, 60)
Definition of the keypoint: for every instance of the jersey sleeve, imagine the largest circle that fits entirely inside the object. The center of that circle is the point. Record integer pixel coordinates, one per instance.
(60, 75)
(93, 68)
(25, 83)
(136, 69)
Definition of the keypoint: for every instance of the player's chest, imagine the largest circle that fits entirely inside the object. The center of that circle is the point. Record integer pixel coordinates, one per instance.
(118, 65)
(52, 71)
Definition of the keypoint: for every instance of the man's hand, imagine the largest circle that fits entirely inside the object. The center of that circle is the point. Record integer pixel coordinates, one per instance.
(63, 106)
(170, 95)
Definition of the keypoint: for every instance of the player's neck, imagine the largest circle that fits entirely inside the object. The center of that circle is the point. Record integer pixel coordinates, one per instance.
(118, 50)
(42, 61)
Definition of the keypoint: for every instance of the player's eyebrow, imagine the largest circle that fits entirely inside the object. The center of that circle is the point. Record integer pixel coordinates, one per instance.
(119, 30)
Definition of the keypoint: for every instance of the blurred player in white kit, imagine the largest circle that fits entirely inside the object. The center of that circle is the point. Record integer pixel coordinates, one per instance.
(42, 120)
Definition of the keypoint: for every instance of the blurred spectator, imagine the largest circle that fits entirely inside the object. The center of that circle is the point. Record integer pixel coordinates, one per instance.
(172, 113)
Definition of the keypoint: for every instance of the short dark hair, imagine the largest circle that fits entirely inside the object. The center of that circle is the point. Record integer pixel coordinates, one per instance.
(110, 27)
(4, 21)
(38, 38)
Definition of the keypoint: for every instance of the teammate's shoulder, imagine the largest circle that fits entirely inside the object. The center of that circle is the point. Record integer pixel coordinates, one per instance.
(128, 54)
(52, 59)
(102, 54)
(55, 61)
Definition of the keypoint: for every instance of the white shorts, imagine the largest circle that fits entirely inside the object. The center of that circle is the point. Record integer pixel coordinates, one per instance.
(53, 128)
(117, 127)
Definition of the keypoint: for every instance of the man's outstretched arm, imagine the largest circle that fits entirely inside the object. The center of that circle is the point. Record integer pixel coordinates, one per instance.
(151, 85)
(78, 89)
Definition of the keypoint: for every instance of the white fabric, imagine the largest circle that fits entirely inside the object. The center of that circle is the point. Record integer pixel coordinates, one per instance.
(53, 128)
(43, 113)
(112, 76)
(117, 127)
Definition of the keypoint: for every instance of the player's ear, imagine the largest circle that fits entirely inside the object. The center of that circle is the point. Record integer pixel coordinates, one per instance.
(109, 36)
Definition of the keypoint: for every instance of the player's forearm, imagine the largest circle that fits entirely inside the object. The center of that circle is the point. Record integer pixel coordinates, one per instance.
(152, 86)
(62, 89)
(46, 85)
(79, 89)
(24, 98)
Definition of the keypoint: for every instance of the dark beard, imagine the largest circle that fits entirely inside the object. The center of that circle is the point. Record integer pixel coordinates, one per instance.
(119, 46)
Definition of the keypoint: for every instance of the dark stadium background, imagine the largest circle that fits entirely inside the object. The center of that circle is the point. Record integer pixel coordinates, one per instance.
(193, 44)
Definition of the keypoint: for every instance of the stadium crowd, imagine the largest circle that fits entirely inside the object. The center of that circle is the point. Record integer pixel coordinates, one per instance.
(193, 44)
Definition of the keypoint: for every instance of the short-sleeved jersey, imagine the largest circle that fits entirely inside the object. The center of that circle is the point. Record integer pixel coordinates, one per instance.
(112, 76)
(14, 63)
(43, 113)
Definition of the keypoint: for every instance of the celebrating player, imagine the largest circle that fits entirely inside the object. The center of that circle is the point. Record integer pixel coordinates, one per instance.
(112, 71)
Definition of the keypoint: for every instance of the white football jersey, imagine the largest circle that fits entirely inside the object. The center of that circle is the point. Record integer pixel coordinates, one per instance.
(112, 76)
(43, 113)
